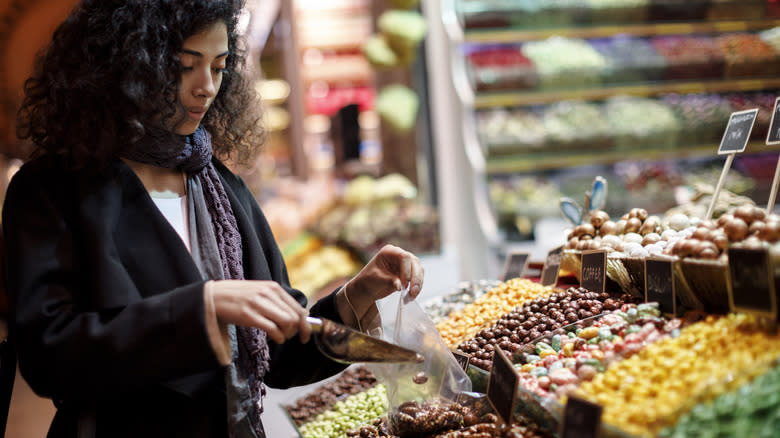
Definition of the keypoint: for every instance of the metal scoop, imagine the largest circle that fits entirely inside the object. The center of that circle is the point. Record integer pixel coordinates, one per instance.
(343, 344)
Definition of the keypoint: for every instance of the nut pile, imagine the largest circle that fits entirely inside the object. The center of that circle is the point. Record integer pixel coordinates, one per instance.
(638, 234)
(747, 225)
(649, 390)
(537, 318)
(351, 381)
(635, 227)
(464, 324)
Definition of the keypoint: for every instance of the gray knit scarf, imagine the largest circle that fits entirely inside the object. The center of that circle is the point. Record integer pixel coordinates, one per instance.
(249, 345)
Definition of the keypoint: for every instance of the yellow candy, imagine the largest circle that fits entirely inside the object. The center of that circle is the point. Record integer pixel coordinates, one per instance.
(589, 332)
(647, 391)
(527, 368)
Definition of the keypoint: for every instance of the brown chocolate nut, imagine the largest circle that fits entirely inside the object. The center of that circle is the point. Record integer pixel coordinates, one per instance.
(736, 229)
(420, 378)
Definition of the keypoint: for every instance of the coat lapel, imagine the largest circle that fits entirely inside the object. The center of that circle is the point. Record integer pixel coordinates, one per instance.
(150, 249)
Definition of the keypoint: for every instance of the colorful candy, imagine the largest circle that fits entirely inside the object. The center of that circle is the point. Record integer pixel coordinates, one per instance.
(648, 391)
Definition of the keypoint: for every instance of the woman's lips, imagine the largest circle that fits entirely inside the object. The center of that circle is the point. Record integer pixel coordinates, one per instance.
(196, 113)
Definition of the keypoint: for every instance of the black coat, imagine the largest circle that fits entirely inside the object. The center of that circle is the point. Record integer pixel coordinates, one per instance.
(107, 304)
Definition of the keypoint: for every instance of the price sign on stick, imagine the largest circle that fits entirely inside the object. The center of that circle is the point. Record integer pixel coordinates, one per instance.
(515, 265)
(463, 359)
(734, 140)
(659, 284)
(737, 132)
(581, 419)
(593, 275)
(751, 285)
(502, 386)
(552, 266)
(773, 137)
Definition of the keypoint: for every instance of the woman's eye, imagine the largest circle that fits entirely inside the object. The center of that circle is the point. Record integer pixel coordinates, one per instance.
(186, 68)
(219, 69)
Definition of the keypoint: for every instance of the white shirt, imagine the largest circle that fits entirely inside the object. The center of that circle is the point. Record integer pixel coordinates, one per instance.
(174, 208)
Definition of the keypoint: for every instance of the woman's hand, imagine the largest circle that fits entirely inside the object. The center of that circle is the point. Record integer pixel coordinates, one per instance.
(262, 304)
(391, 269)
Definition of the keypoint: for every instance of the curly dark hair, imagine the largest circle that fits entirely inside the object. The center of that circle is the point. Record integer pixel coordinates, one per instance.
(110, 78)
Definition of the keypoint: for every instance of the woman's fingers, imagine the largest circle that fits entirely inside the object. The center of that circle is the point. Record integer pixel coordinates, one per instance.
(405, 269)
(276, 310)
(418, 274)
(409, 270)
(262, 304)
(269, 327)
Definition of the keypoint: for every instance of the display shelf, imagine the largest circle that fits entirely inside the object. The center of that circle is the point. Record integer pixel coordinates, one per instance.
(535, 161)
(523, 98)
(485, 163)
(694, 88)
(513, 35)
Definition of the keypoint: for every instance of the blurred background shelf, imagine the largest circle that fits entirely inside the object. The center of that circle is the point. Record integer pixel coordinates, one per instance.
(541, 161)
(511, 35)
(524, 98)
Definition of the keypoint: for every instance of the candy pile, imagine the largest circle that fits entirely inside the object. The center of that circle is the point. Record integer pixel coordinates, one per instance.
(564, 62)
(535, 319)
(439, 308)
(576, 124)
(689, 57)
(765, 102)
(702, 116)
(354, 411)
(669, 121)
(561, 362)
(752, 410)
(507, 131)
(498, 68)
(747, 55)
(629, 59)
(639, 122)
(648, 391)
(464, 324)
(351, 381)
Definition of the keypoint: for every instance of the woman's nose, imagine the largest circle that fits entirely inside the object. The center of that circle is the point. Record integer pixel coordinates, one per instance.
(206, 84)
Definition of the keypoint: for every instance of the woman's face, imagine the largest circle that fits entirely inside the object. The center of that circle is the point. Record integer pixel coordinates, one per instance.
(203, 58)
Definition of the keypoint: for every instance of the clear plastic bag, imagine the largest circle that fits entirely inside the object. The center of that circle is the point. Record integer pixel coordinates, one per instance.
(436, 381)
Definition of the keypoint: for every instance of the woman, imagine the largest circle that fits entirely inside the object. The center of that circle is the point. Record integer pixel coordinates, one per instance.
(149, 296)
